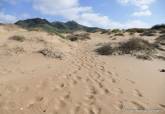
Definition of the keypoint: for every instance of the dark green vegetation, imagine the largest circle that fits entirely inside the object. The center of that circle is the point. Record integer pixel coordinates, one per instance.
(136, 30)
(148, 32)
(161, 39)
(119, 34)
(17, 38)
(54, 27)
(81, 36)
(105, 49)
(135, 45)
(140, 48)
(159, 27)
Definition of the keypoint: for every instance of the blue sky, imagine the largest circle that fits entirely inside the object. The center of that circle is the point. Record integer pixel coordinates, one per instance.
(100, 13)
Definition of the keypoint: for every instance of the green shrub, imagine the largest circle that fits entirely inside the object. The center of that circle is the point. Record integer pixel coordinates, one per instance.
(161, 40)
(81, 36)
(132, 46)
(148, 33)
(18, 38)
(106, 49)
(135, 45)
(119, 34)
(136, 30)
(115, 31)
(158, 27)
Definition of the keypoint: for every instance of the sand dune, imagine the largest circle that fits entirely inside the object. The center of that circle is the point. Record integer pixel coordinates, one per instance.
(81, 82)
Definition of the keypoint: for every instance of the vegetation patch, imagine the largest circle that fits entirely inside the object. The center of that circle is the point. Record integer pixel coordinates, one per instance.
(105, 49)
(115, 31)
(18, 38)
(140, 48)
(161, 40)
(119, 34)
(159, 27)
(51, 53)
(135, 45)
(81, 36)
(136, 30)
(148, 33)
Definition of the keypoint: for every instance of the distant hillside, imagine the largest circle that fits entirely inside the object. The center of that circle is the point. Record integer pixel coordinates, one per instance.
(43, 24)
(161, 26)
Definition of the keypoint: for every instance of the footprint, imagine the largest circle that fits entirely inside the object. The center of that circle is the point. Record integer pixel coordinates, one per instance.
(39, 99)
(131, 81)
(138, 105)
(113, 80)
(76, 109)
(102, 68)
(62, 85)
(67, 96)
(106, 91)
(109, 72)
(138, 93)
(162, 105)
(60, 104)
(120, 105)
(120, 91)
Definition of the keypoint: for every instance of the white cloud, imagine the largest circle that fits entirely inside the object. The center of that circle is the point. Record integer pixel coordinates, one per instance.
(6, 18)
(142, 5)
(143, 13)
(72, 10)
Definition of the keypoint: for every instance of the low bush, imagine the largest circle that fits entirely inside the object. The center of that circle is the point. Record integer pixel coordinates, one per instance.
(18, 38)
(81, 36)
(115, 31)
(119, 34)
(148, 33)
(136, 30)
(51, 53)
(135, 45)
(106, 49)
(161, 40)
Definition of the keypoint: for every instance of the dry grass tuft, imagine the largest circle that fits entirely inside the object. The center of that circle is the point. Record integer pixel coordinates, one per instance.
(17, 38)
(51, 53)
(81, 36)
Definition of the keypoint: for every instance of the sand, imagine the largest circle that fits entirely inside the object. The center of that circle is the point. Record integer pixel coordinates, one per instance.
(81, 82)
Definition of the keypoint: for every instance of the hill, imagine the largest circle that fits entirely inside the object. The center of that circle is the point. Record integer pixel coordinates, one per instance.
(70, 26)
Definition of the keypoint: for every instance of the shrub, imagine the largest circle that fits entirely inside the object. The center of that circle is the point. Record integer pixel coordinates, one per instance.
(160, 40)
(119, 34)
(144, 57)
(51, 53)
(81, 36)
(18, 38)
(106, 49)
(162, 31)
(158, 27)
(148, 33)
(115, 31)
(135, 45)
(136, 30)
(131, 33)
(104, 31)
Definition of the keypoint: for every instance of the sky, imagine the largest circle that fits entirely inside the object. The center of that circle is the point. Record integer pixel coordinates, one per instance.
(98, 13)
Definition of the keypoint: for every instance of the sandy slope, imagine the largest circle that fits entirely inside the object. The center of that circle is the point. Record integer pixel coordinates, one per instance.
(81, 83)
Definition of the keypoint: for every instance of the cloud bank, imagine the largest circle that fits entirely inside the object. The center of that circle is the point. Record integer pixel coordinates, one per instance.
(143, 6)
(73, 10)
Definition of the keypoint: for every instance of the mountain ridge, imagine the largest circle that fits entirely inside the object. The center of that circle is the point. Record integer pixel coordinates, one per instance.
(56, 26)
